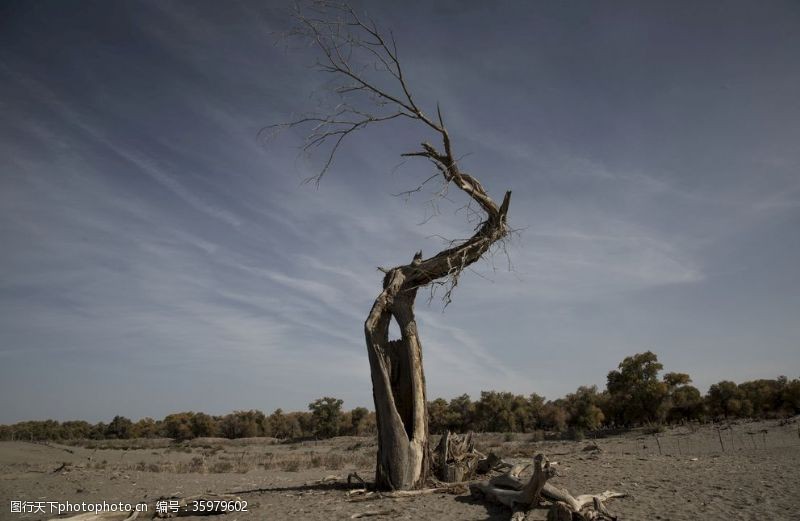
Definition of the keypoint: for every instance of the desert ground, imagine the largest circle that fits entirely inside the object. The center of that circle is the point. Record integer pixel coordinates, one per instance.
(679, 474)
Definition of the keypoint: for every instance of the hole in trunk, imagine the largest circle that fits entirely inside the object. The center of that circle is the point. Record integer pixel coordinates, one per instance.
(394, 329)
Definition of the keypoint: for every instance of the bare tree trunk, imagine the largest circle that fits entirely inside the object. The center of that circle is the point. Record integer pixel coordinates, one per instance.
(398, 387)
(398, 379)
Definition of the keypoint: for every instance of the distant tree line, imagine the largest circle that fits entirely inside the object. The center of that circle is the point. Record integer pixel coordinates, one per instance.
(325, 418)
(635, 395)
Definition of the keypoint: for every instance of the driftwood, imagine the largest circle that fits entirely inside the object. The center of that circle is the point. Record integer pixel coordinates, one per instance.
(581, 502)
(525, 496)
(509, 490)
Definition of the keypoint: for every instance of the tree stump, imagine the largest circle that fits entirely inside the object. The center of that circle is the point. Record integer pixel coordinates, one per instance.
(455, 458)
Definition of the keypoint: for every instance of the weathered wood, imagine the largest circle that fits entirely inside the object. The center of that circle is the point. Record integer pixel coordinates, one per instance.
(398, 386)
(577, 503)
(509, 490)
(510, 479)
(513, 498)
(364, 495)
(490, 463)
(353, 476)
(455, 458)
(559, 512)
(441, 457)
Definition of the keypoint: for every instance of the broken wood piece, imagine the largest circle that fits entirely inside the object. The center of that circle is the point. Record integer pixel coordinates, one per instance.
(364, 496)
(524, 497)
(578, 503)
(559, 512)
(457, 488)
(489, 463)
(510, 479)
(456, 458)
(353, 476)
(509, 490)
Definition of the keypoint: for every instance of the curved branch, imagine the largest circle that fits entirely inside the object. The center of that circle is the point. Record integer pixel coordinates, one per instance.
(344, 37)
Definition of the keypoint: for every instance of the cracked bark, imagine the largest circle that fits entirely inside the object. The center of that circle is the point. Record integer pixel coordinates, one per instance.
(398, 378)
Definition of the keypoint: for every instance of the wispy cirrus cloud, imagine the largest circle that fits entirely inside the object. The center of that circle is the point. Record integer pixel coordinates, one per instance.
(154, 247)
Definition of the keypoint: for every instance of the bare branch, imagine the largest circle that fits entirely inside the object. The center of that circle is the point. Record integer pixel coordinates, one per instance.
(367, 75)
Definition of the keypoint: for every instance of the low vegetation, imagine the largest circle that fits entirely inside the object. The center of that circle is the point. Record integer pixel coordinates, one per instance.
(635, 395)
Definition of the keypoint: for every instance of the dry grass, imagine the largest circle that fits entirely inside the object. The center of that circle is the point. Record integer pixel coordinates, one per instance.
(313, 460)
(132, 444)
(214, 456)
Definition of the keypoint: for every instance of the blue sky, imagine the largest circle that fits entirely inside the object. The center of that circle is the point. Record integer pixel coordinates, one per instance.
(157, 256)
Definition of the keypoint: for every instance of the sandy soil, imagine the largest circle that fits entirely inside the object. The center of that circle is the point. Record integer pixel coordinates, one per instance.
(688, 477)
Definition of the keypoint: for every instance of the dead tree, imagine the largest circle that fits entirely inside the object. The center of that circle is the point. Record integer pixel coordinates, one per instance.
(365, 71)
(523, 497)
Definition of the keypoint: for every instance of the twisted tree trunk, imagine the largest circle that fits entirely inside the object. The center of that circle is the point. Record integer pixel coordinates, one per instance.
(398, 387)
(398, 379)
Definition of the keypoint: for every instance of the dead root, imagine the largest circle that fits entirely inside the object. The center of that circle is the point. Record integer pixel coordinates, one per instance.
(521, 498)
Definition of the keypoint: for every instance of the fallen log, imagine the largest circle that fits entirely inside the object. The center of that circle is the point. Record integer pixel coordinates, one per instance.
(510, 479)
(525, 496)
(509, 490)
(576, 504)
